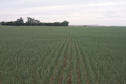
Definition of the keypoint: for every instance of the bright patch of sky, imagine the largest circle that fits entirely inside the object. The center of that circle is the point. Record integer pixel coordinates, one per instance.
(77, 12)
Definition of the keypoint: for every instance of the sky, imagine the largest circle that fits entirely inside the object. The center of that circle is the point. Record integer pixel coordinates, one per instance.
(77, 12)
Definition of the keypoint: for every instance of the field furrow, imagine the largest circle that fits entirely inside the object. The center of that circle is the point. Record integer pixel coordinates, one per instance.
(64, 64)
(84, 67)
(77, 65)
(52, 76)
(70, 69)
(45, 66)
(52, 66)
(92, 73)
(66, 61)
(0, 80)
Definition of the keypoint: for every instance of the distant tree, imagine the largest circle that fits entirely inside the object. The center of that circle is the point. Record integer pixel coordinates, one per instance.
(19, 21)
(29, 20)
(57, 23)
(33, 22)
(65, 23)
(2, 23)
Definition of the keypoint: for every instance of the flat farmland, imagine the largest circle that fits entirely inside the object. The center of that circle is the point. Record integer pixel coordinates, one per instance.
(62, 55)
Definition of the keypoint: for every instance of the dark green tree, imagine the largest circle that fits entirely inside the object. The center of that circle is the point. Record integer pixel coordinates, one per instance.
(65, 23)
(19, 21)
(32, 21)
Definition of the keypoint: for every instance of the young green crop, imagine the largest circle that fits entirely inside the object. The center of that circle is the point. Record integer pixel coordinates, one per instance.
(62, 55)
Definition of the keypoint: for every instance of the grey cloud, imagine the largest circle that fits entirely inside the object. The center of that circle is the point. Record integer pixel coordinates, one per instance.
(105, 12)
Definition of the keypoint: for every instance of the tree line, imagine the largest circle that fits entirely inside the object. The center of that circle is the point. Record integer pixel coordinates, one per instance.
(33, 22)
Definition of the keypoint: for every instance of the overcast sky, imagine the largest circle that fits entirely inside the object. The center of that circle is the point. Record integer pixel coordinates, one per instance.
(77, 12)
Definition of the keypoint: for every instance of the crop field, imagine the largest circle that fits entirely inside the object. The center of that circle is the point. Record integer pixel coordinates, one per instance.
(62, 55)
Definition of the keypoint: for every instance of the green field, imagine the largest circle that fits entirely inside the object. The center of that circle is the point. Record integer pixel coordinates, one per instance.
(62, 55)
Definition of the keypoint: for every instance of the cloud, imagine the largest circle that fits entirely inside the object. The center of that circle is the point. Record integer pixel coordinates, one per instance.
(99, 12)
